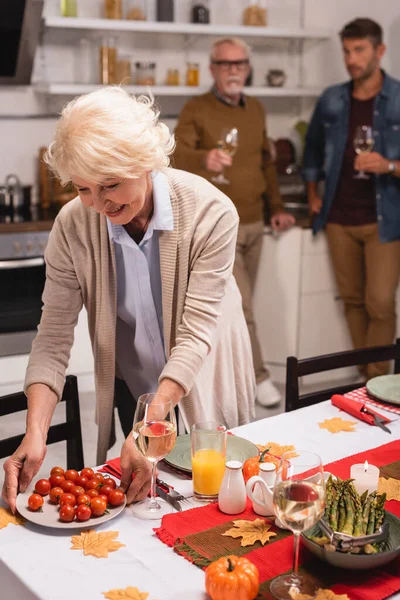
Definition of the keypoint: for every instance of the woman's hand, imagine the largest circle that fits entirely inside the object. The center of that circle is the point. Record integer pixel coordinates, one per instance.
(22, 466)
(133, 464)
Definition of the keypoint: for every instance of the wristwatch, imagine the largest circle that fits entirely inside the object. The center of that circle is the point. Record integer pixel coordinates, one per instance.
(392, 167)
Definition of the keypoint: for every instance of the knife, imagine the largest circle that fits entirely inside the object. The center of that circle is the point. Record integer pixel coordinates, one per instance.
(360, 411)
(165, 496)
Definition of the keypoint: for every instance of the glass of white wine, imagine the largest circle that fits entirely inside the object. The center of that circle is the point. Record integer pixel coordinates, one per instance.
(363, 143)
(154, 432)
(228, 143)
(299, 501)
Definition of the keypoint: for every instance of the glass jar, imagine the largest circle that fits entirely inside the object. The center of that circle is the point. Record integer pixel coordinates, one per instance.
(200, 11)
(173, 77)
(193, 74)
(85, 62)
(124, 71)
(108, 61)
(165, 10)
(113, 9)
(69, 8)
(255, 14)
(136, 10)
(145, 73)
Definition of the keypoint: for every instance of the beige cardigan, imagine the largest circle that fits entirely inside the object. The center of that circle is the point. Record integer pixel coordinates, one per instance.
(206, 338)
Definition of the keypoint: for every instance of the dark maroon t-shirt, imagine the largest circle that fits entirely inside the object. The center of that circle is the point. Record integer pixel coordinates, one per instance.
(354, 203)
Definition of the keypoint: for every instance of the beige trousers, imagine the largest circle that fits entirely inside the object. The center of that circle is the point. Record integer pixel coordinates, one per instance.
(367, 273)
(248, 251)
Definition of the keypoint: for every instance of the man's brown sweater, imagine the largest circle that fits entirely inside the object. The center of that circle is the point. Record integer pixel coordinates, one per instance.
(252, 173)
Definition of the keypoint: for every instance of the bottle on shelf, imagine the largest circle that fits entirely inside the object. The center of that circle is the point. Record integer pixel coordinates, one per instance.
(145, 73)
(173, 77)
(193, 74)
(113, 9)
(165, 10)
(200, 11)
(255, 14)
(136, 10)
(85, 59)
(69, 8)
(108, 61)
(124, 72)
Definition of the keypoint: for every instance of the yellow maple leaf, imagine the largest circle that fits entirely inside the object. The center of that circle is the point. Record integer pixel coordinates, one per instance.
(132, 593)
(7, 518)
(337, 424)
(390, 486)
(96, 544)
(278, 450)
(321, 595)
(251, 531)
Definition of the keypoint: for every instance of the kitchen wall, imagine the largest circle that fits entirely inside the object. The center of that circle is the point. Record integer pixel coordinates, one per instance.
(25, 116)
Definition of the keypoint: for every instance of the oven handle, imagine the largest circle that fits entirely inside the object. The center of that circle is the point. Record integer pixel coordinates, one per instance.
(22, 263)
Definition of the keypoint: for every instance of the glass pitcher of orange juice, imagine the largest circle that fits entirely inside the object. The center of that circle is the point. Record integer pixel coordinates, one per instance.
(208, 441)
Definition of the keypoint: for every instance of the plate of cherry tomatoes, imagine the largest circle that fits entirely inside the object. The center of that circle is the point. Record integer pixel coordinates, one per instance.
(70, 499)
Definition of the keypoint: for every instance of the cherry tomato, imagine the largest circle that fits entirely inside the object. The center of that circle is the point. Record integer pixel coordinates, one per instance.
(116, 497)
(87, 473)
(71, 474)
(42, 487)
(98, 477)
(103, 497)
(93, 484)
(111, 482)
(83, 499)
(35, 502)
(98, 507)
(83, 512)
(67, 499)
(77, 490)
(92, 493)
(56, 480)
(55, 494)
(106, 490)
(67, 513)
(82, 481)
(57, 471)
(67, 485)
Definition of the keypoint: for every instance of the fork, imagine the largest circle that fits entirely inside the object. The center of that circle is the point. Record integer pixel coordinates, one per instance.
(173, 493)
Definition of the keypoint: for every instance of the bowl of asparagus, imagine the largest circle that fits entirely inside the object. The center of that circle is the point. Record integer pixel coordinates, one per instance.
(355, 531)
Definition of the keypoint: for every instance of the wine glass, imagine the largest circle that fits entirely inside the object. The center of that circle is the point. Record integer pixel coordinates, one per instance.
(228, 143)
(154, 432)
(363, 143)
(299, 501)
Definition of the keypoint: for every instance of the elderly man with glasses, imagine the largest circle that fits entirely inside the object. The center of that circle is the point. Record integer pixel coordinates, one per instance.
(248, 177)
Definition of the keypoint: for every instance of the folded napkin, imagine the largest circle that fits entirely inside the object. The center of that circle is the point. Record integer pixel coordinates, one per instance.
(355, 408)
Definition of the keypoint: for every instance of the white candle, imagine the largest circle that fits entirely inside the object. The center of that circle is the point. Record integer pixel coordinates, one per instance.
(366, 477)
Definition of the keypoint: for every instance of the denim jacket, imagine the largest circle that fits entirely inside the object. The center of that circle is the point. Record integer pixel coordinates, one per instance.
(325, 146)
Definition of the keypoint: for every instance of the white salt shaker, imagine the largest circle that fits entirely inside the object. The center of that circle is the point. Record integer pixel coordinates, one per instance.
(232, 494)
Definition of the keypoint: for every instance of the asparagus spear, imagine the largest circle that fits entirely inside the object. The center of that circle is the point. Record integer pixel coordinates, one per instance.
(371, 518)
(342, 511)
(365, 514)
(333, 517)
(349, 522)
(328, 498)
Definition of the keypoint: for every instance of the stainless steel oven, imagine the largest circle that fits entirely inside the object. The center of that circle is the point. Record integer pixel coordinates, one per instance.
(22, 277)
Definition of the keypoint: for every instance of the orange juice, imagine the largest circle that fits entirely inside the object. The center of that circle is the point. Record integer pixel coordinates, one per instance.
(208, 467)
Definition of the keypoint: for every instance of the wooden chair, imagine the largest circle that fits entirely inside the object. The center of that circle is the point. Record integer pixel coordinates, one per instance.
(70, 430)
(308, 366)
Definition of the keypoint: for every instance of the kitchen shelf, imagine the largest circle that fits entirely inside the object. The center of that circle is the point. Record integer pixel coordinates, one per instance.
(74, 89)
(184, 28)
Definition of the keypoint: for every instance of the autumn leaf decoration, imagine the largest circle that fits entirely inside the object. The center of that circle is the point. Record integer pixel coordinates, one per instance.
(129, 593)
(251, 531)
(337, 424)
(7, 518)
(278, 450)
(96, 544)
(391, 487)
(321, 595)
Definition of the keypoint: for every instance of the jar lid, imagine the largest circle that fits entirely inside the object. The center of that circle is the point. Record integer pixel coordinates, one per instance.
(145, 65)
(234, 464)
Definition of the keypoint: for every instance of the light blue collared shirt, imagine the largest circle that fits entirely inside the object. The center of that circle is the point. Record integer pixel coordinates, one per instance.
(140, 352)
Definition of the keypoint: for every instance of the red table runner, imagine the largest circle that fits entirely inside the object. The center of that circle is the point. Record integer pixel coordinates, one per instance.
(196, 535)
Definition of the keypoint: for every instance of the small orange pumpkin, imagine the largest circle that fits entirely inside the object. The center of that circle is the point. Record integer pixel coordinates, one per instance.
(252, 465)
(232, 578)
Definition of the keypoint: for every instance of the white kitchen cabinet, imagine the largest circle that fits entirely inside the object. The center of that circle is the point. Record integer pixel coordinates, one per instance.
(12, 368)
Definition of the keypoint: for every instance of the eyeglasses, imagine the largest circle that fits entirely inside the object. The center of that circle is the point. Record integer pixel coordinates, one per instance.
(226, 65)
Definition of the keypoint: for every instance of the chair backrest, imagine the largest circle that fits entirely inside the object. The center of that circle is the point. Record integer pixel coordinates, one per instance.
(70, 430)
(308, 366)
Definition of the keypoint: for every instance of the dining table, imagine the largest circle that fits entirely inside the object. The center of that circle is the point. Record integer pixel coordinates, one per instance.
(37, 563)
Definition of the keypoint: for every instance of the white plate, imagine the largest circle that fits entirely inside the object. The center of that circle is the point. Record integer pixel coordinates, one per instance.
(49, 515)
(385, 387)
